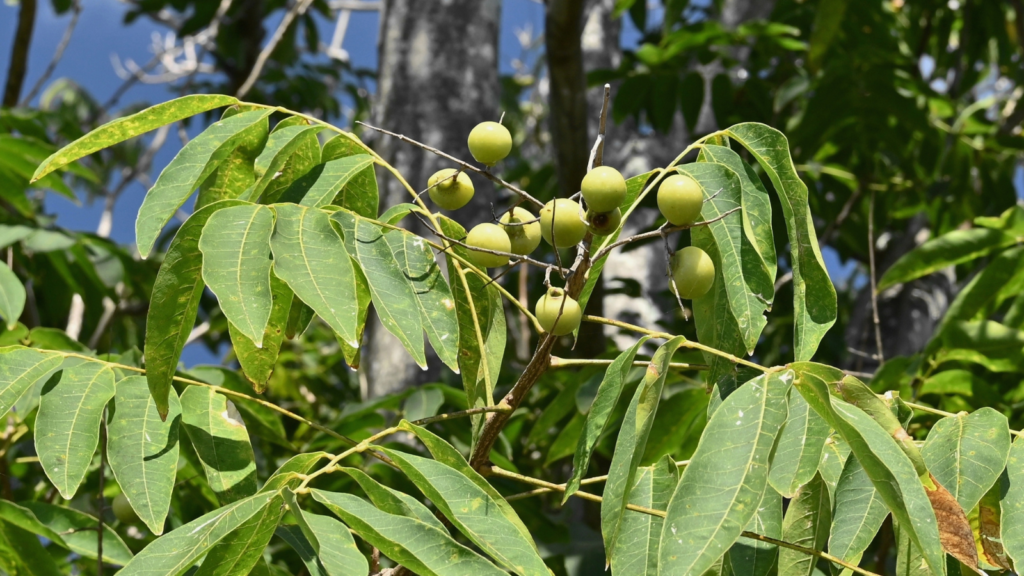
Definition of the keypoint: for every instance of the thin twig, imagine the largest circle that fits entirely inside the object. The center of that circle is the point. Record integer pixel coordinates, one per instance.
(493, 470)
(557, 362)
(937, 412)
(297, 9)
(464, 165)
(874, 284)
(660, 232)
(584, 482)
(76, 11)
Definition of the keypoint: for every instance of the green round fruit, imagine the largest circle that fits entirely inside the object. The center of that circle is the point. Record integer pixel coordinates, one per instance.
(450, 193)
(554, 316)
(525, 238)
(123, 510)
(604, 223)
(680, 199)
(693, 272)
(604, 189)
(561, 218)
(489, 237)
(489, 143)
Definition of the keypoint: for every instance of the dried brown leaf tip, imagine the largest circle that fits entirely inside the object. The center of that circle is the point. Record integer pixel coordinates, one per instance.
(954, 530)
(985, 523)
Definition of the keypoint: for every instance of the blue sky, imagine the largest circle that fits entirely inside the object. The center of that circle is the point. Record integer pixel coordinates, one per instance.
(101, 35)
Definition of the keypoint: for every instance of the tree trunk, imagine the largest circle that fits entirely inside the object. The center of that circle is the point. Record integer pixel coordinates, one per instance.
(563, 26)
(437, 79)
(19, 53)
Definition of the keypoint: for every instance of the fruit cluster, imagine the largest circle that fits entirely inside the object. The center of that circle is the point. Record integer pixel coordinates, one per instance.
(564, 223)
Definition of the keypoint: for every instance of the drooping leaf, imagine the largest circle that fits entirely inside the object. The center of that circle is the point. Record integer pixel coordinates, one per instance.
(360, 194)
(78, 530)
(952, 248)
(967, 453)
(20, 369)
(12, 296)
(715, 498)
(420, 547)
(236, 265)
(311, 258)
(221, 442)
(192, 165)
(605, 400)
(291, 151)
(473, 511)
(807, 523)
(324, 182)
(833, 460)
(859, 513)
(884, 460)
(68, 424)
(143, 449)
(814, 296)
(760, 558)
(293, 535)
(986, 523)
(259, 420)
(130, 126)
(237, 172)
(757, 208)
(258, 363)
(799, 447)
(392, 501)
(21, 553)
(1012, 505)
(746, 279)
(239, 551)
(636, 551)
(175, 301)
(178, 550)
(478, 307)
(331, 541)
(631, 442)
(990, 344)
(634, 186)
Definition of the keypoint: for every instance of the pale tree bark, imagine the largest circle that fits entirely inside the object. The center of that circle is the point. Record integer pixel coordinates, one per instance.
(437, 78)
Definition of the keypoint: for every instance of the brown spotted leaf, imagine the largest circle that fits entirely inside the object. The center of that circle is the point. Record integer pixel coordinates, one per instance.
(954, 529)
(986, 519)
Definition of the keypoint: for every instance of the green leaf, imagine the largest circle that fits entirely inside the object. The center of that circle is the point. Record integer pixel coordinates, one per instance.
(1000, 279)
(677, 427)
(12, 296)
(22, 554)
(310, 256)
(760, 558)
(221, 442)
(634, 186)
(757, 207)
(1012, 504)
(192, 165)
(177, 551)
(473, 511)
(259, 420)
(607, 397)
(143, 449)
(814, 296)
(78, 531)
(909, 560)
(239, 551)
(171, 314)
(331, 541)
(444, 453)
(237, 172)
(952, 248)
(291, 151)
(20, 369)
(258, 363)
(236, 265)
(799, 447)
(833, 461)
(807, 523)
(393, 296)
(392, 501)
(422, 403)
(859, 513)
(322, 184)
(420, 547)
(68, 424)
(297, 540)
(396, 213)
(131, 126)
(636, 551)
(986, 523)
(884, 460)
(290, 473)
(990, 344)
(631, 443)
(360, 194)
(716, 498)
(744, 273)
(479, 307)
(967, 453)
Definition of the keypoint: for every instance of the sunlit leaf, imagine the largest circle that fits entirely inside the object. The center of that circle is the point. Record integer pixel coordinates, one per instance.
(967, 453)
(859, 513)
(636, 551)
(1012, 504)
(239, 551)
(258, 363)
(324, 182)
(952, 248)
(331, 541)
(806, 524)
(12, 296)
(760, 558)
(291, 151)
(799, 447)
(78, 530)
(237, 172)
(221, 442)
(360, 194)
(20, 369)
